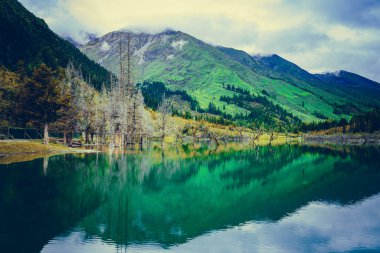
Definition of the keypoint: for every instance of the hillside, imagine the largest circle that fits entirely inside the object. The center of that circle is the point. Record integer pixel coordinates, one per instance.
(183, 62)
(26, 38)
(277, 68)
(349, 93)
(352, 86)
(344, 88)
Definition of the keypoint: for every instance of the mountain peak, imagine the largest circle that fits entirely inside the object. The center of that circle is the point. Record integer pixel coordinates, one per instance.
(348, 79)
(262, 56)
(336, 73)
(81, 39)
(169, 31)
(143, 31)
(186, 63)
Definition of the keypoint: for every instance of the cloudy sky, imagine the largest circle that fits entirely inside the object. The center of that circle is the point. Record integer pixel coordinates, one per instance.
(320, 36)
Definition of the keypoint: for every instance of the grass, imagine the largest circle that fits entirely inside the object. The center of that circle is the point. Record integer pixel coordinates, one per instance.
(203, 80)
(20, 150)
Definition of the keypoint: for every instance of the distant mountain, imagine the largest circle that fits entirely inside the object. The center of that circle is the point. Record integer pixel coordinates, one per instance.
(72, 41)
(340, 86)
(25, 37)
(87, 37)
(351, 85)
(183, 62)
(281, 68)
(277, 68)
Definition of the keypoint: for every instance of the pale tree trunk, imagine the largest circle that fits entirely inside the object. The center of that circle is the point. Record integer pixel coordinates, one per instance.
(46, 134)
(64, 138)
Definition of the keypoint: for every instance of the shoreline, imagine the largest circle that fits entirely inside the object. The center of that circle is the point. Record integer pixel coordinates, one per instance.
(12, 151)
(349, 139)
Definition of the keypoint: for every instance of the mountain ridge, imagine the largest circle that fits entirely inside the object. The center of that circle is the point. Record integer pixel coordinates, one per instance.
(184, 62)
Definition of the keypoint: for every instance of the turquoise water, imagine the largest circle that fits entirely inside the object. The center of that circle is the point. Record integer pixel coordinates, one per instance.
(268, 199)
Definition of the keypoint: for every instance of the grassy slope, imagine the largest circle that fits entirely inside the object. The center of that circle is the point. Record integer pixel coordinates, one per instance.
(201, 70)
(344, 88)
(278, 68)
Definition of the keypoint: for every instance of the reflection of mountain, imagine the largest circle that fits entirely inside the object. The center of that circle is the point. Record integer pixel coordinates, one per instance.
(217, 191)
(141, 201)
(316, 227)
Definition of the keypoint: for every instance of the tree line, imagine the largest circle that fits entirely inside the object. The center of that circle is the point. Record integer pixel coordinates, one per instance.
(261, 111)
(367, 122)
(63, 101)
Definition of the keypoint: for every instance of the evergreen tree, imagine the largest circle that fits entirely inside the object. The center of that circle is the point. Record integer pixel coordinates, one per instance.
(41, 99)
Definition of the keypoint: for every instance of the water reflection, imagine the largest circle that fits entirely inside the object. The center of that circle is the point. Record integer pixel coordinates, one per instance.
(282, 199)
(317, 227)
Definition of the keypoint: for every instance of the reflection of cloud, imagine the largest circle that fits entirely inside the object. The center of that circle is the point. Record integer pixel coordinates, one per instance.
(170, 57)
(318, 227)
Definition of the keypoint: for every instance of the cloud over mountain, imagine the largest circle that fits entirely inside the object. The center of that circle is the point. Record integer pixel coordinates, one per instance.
(319, 35)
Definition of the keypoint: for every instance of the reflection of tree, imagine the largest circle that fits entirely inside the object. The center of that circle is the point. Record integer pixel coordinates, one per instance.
(182, 199)
(41, 206)
(139, 197)
(45, 164)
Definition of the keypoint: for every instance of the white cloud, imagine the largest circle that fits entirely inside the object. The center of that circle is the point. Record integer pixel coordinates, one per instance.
(105, 47)
(179, 44)
(317, 35)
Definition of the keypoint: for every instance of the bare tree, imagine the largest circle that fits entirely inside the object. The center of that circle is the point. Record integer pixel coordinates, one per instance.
(272, 136)
(85, 103)
(194, 132)
(129, 74)
(212, 135)
(137, 117)
(254, 136)
(164, 119)
(100, 120)
(179, 134)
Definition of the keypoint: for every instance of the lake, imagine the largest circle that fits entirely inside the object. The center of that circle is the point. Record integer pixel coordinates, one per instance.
(287, 198)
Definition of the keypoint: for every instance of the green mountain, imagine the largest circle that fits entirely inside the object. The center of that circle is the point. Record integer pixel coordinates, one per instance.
(183, 62)
(352, 86)
(277, 68)
(26, 38)
(347, 90)
(347, 96)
